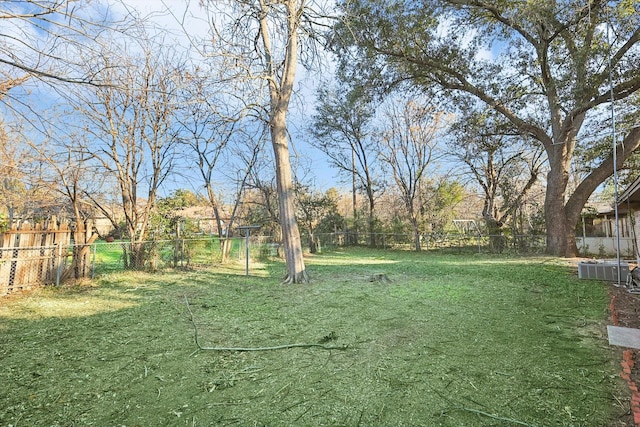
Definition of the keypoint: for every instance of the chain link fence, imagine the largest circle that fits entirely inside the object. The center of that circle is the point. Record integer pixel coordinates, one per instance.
(447, 242)
(180, 253)
(50, 265)
(204, 252)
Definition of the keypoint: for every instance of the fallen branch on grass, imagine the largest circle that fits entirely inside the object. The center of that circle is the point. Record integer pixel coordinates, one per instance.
(276, 347)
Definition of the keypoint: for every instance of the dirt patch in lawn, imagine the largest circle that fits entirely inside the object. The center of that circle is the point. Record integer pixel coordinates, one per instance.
(625, 311)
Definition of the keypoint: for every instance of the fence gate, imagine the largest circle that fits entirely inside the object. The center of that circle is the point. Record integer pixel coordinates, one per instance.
(33, 254)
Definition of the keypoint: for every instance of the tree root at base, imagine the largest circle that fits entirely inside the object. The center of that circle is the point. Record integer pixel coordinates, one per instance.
(300, 278)
(275, 347)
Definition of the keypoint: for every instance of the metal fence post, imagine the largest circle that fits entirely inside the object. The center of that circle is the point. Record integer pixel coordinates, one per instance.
(59, 264)
(93, 260)
(182, 252)
(247, 229)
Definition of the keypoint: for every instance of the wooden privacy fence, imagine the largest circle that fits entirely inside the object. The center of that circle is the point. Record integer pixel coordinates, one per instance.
(43, 253)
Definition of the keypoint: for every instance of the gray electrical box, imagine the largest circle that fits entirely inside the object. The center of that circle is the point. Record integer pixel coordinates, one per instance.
(603, 270)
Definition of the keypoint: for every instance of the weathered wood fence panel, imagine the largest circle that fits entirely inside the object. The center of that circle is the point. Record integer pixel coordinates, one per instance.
(33, 255)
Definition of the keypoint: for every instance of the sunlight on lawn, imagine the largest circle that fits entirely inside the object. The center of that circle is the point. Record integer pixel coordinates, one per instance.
(51, 307)
(337, 258)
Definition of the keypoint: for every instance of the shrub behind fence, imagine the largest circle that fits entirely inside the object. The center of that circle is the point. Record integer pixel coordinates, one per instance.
(23, 266)
(452, 242)
(181, 253)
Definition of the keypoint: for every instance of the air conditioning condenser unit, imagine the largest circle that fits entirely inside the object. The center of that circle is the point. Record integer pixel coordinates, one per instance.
(603, 270)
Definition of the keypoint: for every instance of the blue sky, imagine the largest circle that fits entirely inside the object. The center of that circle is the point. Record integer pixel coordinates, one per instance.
(301, 108)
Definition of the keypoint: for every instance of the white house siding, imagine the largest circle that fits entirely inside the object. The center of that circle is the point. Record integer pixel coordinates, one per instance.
(606, 246)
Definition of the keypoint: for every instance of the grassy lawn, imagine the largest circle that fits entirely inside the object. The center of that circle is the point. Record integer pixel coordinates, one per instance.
(449, 341)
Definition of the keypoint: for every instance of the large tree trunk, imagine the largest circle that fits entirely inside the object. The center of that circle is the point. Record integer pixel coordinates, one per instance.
(561, 218)
(561, 239)
(561, 235)
(296, 272)
(372, 222)
(416, 234)
(280, 90)
(496, 235)
(313, 244)
(83, 238)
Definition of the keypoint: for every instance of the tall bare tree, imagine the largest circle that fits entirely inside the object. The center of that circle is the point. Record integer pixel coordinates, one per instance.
(14, 173)
(263, 42)
(343, 130)
(219, 137)
(50, 41)
(280, 74)
(409, 142)
(40, 45)
(130, 127)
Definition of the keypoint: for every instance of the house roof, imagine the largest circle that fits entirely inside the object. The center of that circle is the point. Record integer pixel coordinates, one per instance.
(631, 195)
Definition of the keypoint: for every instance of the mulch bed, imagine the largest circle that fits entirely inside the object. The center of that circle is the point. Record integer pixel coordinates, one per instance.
(624, 311)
